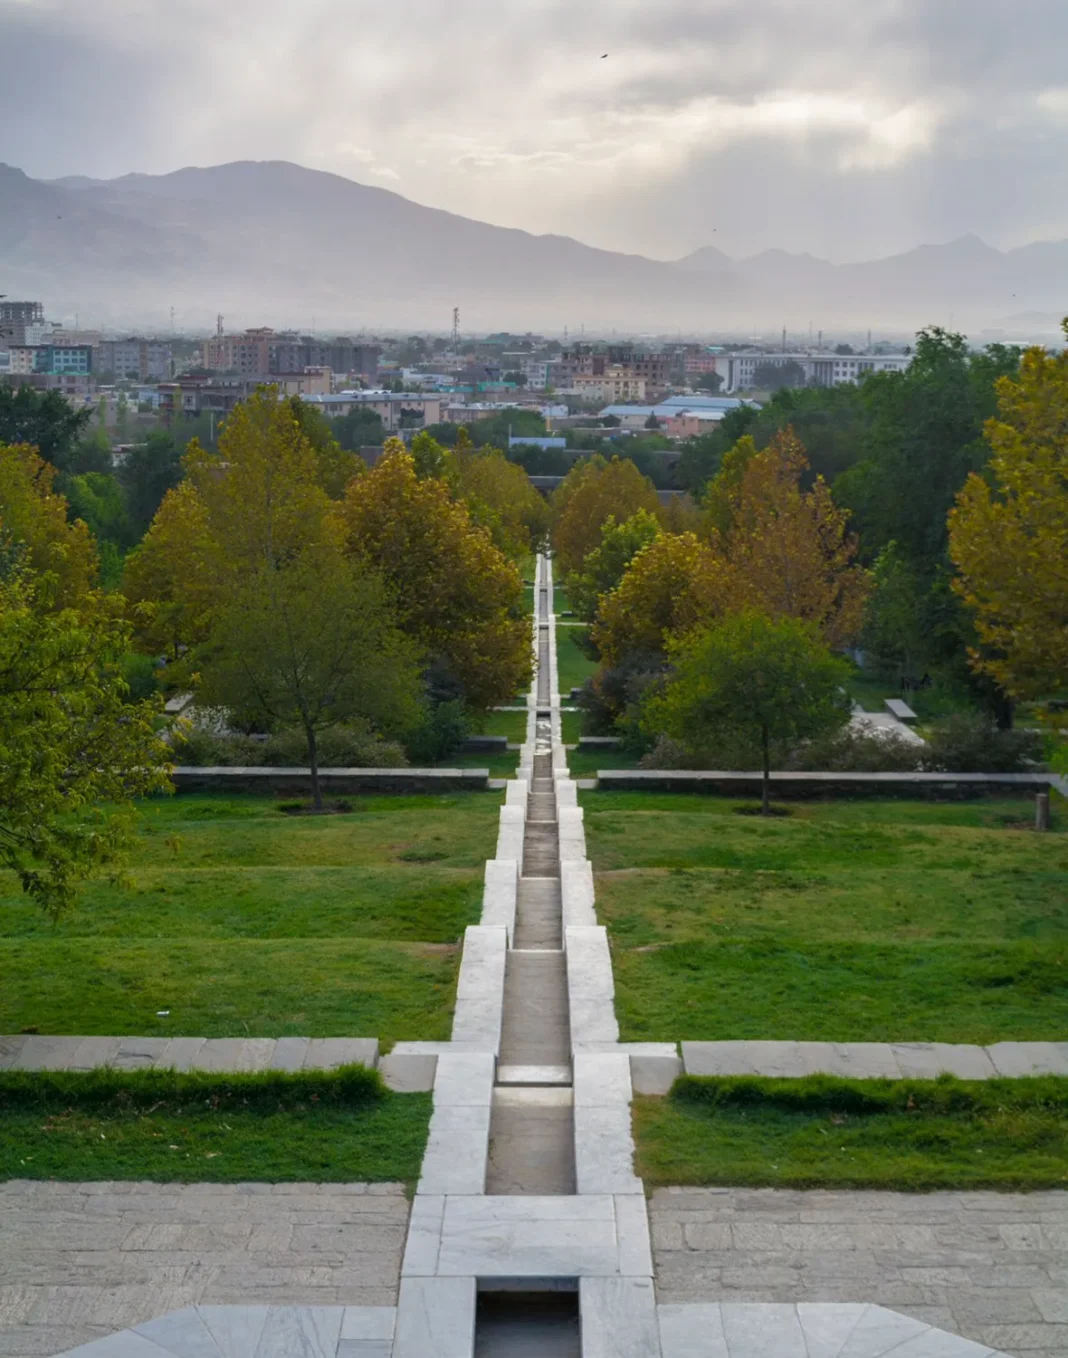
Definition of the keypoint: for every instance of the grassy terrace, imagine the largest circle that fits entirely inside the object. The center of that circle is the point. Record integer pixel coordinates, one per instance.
(245, 921)
(862, 921)
(824, 1133)
(318, 1127)
(573, 666)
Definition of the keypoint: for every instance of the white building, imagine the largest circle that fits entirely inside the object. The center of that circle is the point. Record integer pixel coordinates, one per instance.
(820, 369)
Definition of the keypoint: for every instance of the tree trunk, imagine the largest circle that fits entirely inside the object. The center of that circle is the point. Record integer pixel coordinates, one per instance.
(313, 761)
(765, 805)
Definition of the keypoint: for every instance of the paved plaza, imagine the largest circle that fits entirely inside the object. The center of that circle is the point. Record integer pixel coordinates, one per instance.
(79, 1261)
(990, 1266)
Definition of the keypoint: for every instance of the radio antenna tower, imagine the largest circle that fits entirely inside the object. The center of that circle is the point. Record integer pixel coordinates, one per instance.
(218, 324)
(456, 331)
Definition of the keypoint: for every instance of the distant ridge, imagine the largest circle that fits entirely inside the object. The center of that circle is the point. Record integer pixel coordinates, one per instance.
(273, 242)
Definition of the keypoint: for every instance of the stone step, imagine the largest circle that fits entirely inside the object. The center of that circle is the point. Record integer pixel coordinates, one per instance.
(533, 1075)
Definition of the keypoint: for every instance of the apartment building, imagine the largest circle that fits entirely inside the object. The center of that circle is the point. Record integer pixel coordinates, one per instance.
(145, 360)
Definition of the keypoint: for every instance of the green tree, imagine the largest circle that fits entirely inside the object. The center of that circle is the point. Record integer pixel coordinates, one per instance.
(122, 417)
(892, 635)
(98, 498)
(310, 643)
(360, 428)
(605, 566)
(35, 523)
(43, 419)
(710, 382)
(773, 683)
(582, 503)
(73, 752)
(148, 472)
(336, 465)
(773, 376)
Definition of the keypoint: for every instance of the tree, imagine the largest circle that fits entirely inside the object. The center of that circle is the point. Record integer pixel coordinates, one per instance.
(673, 584)
(148, 472)
(169, 581)
(360, 428)
(710, 382)
(73, 751)
(652, 422)
(590, 492)
(516, 378)
(311, 643)
(336, 466)
(892, 634)
(701, 456)
(97, 498)
(455, 593)
(1008, 535)
(773, 376)
(605, 566)
(122, 417)
(772, 682)
(43, 419)
(787, 552)
(35, 520)
(499, 496)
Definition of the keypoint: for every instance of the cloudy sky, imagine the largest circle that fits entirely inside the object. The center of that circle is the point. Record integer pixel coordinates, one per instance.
(848, 128)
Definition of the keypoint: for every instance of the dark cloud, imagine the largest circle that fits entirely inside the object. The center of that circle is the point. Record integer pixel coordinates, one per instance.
(841, 128)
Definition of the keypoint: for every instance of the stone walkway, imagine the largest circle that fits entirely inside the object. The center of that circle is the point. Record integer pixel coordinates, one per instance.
(80, 1261)
(990, 1266)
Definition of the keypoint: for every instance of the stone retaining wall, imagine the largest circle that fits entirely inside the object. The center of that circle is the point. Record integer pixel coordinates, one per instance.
(935, 786)
(296, 782)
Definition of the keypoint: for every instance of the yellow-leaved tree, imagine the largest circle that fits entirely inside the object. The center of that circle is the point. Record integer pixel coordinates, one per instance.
(34, 529)
(587, 496)
(1008, 535)
(456, 594)
(787, 552)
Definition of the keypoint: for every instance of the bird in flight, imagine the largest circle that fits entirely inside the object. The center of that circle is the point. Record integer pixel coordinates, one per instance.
(603, 55)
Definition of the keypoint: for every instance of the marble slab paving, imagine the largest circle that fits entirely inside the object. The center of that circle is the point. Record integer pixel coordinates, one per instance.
(804, 1330)
(529, 1237)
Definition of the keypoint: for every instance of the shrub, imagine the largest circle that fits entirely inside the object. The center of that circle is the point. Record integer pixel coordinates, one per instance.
(857, 751)
(442, 732)
(970, 743)
(339, 747)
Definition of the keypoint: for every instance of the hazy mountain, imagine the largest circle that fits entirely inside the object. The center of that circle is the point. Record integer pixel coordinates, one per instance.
(273, 243)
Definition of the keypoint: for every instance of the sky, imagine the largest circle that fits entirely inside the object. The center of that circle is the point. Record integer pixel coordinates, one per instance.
(849, 130)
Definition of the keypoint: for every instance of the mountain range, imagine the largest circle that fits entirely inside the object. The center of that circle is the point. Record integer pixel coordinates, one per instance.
(269, 242)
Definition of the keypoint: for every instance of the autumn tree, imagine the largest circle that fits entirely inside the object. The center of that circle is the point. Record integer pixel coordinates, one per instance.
(671, 585)
(590, 492)
(1008, 535)
(605, 566)
(74, 752)
(34, 519)
(772, 682)
(244, 580)
(499, 496)
(788, 552)
(455, 593)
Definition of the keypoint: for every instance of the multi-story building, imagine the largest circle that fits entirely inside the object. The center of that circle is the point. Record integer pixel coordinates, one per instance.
(145, 360)
(819, 369)
(397, 409)
(21, 359)
(63, 360)
(264, 353)
(615, 383)
(15, 317)
(246, 355)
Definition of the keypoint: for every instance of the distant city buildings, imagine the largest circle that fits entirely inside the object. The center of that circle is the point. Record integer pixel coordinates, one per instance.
(265, 353)
(819, 369)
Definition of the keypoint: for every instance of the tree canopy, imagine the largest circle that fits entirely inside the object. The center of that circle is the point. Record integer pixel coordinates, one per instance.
(1009, 533)
(591, 491)
(770, 682)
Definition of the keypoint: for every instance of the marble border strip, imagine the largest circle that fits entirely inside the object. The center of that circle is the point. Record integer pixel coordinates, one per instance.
(34, 1051)
(875, 1060)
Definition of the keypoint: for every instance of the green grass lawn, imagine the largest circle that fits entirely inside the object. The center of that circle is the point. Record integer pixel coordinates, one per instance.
(511, 725)
(571, 727)
(319, 1127)
(561, 603)
(862, 921)
(573, 666)
(243, 921)
(582, 764)
(928, 703)
(824, 1133)
(499, 765)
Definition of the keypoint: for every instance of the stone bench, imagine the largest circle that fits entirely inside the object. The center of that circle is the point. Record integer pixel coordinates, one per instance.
(899, 709)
